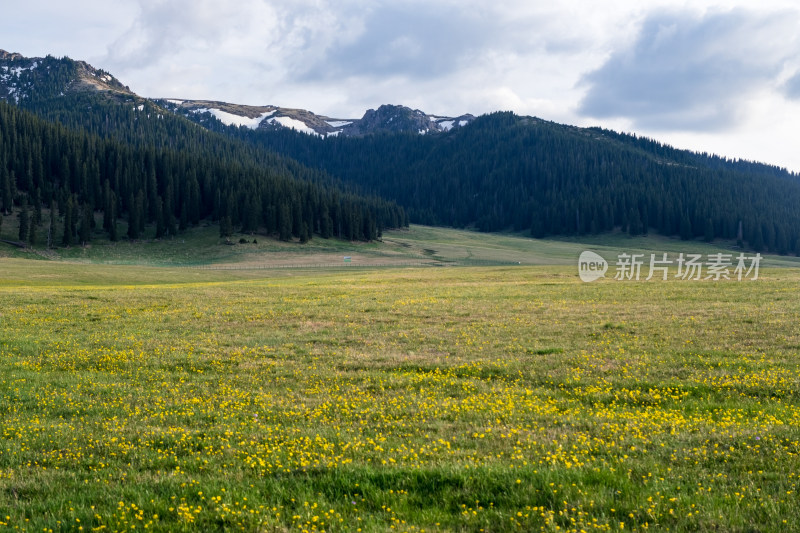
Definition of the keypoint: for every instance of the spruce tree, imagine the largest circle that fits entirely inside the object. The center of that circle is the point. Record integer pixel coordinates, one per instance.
(708, 234)
(634, 223)
(51, 228)
(225, 226)
(686, 227)
(67, 240)
(326, 224)
(112, 228)
(32, 235)
(6, 193)
(86, 224)
(133, 219)
(141, 209)
(757, 240)
(161, 227)
(37, 207)
(284, 223)
(24, 221)
(106, 205)
(184, 217)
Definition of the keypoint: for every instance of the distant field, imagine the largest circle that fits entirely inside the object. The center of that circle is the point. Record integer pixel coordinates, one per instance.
(416, 246)
(418, 399)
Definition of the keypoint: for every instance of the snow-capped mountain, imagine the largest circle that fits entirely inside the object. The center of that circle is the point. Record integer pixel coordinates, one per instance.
(387, 118)
(253, 117)
(25, 80)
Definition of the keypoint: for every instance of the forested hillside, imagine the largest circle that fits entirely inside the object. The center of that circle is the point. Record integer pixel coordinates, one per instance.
(499, 172)
(509, 172)
(77, 174)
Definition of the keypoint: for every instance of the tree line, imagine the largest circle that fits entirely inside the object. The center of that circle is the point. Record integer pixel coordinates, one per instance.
(505, 172)
(502, 172)
(138, 185)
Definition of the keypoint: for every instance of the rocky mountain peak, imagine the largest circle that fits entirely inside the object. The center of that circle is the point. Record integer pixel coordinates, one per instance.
(10, 56)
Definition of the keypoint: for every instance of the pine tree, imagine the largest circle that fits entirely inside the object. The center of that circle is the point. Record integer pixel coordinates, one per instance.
(51, 228)
(161, 227)
(686, 227)
(634, 223)
(757, 241)
(133, 218)
(708, 234)
(781, 242)
(184, 217)
(740, 235)
(24, 221)
(326, 224)
(284, 223)
(67, 240)
(86, 224)
(225, 226)
(141, 209)
(32, 235)
(37, 207)
(113, 235)
(169, 219)
(6, 193)
(107, 205)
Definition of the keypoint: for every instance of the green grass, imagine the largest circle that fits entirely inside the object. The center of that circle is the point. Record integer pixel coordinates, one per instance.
(416, 246)
(450, 399)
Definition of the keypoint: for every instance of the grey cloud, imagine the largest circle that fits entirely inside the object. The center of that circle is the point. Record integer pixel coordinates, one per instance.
(417, 40)
(691, 72)
(166, 29)
(157, 29)
(792, 87)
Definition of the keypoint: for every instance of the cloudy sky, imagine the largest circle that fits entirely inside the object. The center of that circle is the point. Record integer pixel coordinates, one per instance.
(721, 77)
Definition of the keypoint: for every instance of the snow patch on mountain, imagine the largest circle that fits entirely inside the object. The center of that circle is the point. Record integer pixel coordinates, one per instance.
(288, 122)
(386, 119)
(229, 119)
(339, 123)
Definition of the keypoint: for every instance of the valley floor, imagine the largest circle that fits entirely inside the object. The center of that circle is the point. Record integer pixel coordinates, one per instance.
(451, 399)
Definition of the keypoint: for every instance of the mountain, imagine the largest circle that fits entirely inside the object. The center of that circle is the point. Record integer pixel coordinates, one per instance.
(31, 81)
(27, 80)
(506, 172)
(386, 119)
(496, 172)
(80, 142)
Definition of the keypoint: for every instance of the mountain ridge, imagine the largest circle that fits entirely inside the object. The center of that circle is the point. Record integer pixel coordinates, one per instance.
(495, 172)
(387, 118)
(18, 75)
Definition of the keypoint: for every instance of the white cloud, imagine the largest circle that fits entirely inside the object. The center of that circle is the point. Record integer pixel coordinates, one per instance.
(691, 71)
(621, 62)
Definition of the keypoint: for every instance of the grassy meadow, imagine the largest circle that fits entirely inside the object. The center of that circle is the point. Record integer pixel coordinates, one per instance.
(508, 398)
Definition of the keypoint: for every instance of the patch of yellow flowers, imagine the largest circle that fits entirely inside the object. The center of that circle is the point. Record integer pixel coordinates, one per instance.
(176, 402)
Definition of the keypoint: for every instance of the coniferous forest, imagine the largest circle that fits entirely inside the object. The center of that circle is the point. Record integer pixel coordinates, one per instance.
(112, 152)
(152, 176)
(505, 172)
